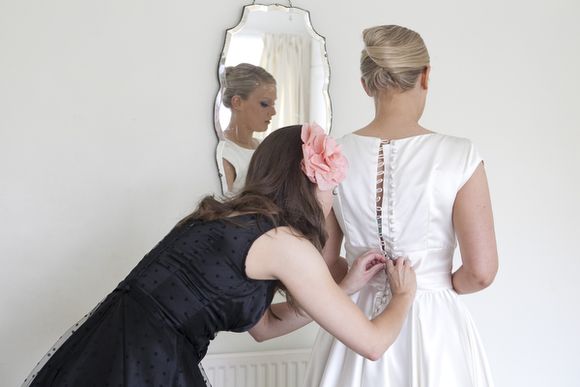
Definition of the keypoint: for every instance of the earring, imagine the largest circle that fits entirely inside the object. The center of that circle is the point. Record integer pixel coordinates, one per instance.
(335, 191)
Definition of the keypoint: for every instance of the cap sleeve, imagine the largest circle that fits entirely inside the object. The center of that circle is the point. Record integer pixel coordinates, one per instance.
(471, 161)
(227, 152)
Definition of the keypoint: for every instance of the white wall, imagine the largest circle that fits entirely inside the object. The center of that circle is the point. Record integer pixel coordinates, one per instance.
(106, 140)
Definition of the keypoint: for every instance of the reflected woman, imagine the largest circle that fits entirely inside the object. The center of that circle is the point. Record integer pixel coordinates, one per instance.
(250, 94)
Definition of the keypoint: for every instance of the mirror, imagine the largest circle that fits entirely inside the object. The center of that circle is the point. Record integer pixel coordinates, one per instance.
(273, 72)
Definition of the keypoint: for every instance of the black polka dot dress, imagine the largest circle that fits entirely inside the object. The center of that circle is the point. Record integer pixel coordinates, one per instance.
(155, 327)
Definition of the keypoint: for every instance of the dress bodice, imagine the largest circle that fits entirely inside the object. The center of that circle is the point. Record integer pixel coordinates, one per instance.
(195, 279)
(399, 195)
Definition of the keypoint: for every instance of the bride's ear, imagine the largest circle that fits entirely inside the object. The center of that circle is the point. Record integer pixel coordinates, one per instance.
(365, 87)
(425, 77)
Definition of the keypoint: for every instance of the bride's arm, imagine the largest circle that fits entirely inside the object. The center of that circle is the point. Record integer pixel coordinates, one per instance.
(279, 254)
(473, 222)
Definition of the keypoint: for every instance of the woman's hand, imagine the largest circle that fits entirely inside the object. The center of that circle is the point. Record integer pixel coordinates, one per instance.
(362, 270)
(401, 276)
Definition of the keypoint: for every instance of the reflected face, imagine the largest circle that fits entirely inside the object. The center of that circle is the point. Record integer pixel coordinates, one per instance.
(245, 43)
(258, 109)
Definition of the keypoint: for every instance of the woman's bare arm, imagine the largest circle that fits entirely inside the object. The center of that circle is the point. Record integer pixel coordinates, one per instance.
(282, 318)
(279, 320)
(280, 254)
(473, 222)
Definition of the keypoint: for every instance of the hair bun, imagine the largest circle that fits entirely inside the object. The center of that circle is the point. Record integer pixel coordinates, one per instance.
(393, 57)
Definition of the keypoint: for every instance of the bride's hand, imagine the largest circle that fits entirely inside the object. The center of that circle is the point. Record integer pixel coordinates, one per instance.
(401, 276)
(362, 270)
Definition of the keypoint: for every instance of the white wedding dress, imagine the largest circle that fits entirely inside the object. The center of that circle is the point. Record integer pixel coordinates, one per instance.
(398, 196)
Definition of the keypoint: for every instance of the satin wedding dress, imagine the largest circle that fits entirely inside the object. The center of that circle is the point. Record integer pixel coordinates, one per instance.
(398, 197)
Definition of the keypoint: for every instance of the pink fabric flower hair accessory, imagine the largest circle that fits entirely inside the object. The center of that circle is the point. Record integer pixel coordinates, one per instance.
(323, 163)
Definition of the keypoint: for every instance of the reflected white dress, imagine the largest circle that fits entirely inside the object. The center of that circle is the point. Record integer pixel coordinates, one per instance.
(398, 197)
(239, 157)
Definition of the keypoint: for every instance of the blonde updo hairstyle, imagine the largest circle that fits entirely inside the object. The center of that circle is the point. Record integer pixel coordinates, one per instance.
(242, 79)
(393, 58)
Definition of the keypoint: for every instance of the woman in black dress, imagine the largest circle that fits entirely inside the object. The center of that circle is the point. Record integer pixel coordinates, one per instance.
(218, 270)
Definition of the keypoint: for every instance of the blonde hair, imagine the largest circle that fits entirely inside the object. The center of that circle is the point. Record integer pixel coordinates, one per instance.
(393, 58)
(242, 80)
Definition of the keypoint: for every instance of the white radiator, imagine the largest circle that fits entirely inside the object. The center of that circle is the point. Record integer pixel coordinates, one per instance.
(257, 369)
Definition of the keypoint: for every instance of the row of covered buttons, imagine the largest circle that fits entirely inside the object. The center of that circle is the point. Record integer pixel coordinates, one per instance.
(389, 177)
(386, 179)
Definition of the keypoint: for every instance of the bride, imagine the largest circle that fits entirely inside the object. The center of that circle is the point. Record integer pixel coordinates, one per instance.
(410, 192)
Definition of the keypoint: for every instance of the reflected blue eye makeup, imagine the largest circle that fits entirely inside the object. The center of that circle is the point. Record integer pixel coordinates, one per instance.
(264, 104)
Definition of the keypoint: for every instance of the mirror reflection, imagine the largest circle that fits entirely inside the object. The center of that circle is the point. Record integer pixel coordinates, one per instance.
(273, 72)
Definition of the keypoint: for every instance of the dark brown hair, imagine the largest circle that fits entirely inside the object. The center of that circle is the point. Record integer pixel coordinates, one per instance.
(276, 187)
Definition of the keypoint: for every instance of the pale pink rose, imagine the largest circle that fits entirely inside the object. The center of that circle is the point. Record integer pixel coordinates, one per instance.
(323, 163)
